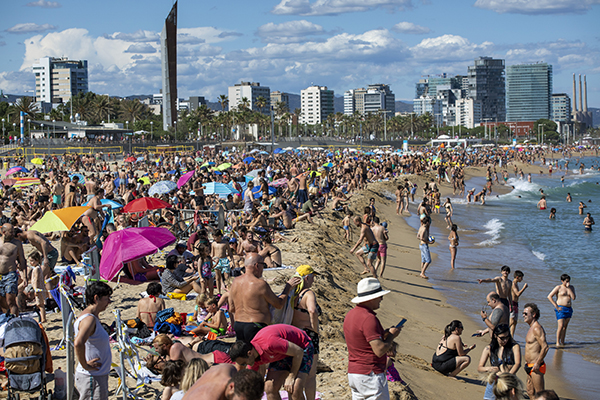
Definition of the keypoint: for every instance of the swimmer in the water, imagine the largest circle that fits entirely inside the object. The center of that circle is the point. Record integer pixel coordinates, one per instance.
(542, 203)
(588, 222)
(569, 198)
(553, 213)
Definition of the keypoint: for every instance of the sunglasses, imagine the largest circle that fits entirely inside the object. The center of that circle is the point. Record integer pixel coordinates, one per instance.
(503, 338)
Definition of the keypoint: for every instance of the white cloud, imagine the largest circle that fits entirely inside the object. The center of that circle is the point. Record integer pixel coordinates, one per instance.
(411, 28)
(449, 47)
(30, 27)
(144, 48)
(137, 36)
(537, 6)
(334, 7)
(288, 32)
(44, 4)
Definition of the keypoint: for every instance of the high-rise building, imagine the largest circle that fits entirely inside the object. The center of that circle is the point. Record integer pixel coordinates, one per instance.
(280, 97)
(168, 55)
(561, 107)
(375, 98)
(379, 97)
(528, 92)
(486, 85)
(316, 104)
(58, 79)
(467, 111)
(428, 104)
(251, 91)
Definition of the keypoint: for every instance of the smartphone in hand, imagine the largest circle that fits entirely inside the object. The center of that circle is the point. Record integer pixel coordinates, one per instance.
(401, 323)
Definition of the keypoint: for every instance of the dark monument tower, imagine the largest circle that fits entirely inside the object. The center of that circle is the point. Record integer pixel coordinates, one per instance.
(168, 50)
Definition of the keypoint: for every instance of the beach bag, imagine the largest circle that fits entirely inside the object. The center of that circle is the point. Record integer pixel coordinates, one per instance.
(164, 315)
(23, 358)
(285, 314)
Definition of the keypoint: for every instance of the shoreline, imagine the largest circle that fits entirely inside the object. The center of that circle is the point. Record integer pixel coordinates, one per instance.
(554, 378)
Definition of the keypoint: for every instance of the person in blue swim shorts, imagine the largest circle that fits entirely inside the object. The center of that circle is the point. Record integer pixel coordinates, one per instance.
(565, 295)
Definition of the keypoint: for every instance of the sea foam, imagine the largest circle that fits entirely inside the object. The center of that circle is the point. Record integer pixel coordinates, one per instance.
(492, 228)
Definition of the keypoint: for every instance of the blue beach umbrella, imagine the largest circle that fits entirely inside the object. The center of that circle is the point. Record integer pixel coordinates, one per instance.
(80, 176)
(257, 193)
(162, 187)
(278, 150)
(113, 204)
(222, 189)
(248, 160)
(172, 172)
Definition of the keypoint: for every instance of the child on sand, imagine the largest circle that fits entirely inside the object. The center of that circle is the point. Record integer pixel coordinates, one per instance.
(346, 226)
(200, 309)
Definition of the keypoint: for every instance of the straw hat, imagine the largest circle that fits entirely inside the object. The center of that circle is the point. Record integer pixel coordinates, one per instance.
(368, 289)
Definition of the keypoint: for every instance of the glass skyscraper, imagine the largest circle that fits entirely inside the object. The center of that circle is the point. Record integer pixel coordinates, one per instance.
(528, 92)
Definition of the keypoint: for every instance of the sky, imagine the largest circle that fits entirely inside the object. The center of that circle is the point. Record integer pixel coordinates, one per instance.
(289, 45)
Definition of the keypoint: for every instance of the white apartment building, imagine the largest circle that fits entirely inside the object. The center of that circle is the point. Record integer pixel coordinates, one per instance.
(468, 112)
(316, 104)
(58, 79)
(252, 91)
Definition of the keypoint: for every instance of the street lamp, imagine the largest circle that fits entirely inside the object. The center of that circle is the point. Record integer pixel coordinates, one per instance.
(3, 129)
(53, 128)
(127, 125)
(14, 128)
(151, 131)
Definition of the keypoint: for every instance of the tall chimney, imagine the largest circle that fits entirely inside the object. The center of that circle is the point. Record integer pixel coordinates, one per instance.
(574, 97)
(580, 95)
(584, 94)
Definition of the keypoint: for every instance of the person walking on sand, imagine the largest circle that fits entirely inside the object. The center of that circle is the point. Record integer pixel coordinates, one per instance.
(423, 236)
(536, 349)
(368, 343)
(453, 239)
(370, 248)
(565, 295)
(514, 305)
(381, 235)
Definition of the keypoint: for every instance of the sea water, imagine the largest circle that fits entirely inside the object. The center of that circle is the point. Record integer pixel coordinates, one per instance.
(510, 230)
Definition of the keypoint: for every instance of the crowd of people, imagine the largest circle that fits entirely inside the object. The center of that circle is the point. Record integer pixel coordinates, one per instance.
(268, 196)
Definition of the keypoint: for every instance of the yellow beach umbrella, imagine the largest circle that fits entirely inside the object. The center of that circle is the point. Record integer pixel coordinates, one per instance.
(145, 180)
(223, 166)
(37, 161)
(23, 182)
(59, 220)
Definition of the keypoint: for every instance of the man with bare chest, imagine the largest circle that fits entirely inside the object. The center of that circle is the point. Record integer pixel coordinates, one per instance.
(503, 286)
(222, 256)
(250, 297)
(48, 252)
(536, 349)
(565, 294)
(11, 253)
(370, 248)
(249, 245)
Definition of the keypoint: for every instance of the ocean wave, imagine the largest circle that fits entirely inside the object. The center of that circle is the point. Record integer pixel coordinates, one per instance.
(492, 228)
(521, 185)
(389, 195)
(539, 255)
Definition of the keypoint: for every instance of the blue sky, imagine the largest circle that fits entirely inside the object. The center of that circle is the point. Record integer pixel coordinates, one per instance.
(291, 44)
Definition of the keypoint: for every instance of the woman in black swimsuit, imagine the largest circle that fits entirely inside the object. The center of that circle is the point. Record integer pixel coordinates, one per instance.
(451, 356)
(504, 355)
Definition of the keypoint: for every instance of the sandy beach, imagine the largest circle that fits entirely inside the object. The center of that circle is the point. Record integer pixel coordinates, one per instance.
(322, 246)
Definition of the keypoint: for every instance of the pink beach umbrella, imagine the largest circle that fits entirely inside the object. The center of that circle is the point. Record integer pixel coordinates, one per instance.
(279, 182)
(185, 178)
(130, 244)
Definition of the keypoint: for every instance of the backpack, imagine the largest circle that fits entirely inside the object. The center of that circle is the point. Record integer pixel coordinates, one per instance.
(164, 315)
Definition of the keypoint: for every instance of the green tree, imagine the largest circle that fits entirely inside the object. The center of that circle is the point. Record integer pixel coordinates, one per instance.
(261, 103)
(223, 101)
(26, 105)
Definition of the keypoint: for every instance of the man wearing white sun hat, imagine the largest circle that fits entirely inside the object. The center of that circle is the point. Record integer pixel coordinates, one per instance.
(368, 343)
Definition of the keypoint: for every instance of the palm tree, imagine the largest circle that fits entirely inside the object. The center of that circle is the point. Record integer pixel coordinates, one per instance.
(244, 104)
(103, 107)
(132, 110)
(83, 105)
(26, 105)
(223, 101)
(261, 103)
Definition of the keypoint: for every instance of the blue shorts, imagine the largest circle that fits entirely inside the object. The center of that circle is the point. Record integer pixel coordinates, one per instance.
(563, 312)
(346, 227)
(223, 266)
(425, 256)
(9, 283)
(286, 363)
